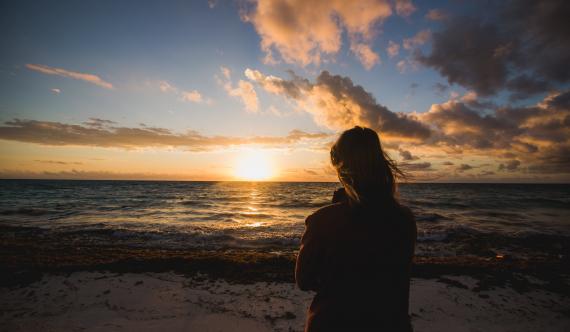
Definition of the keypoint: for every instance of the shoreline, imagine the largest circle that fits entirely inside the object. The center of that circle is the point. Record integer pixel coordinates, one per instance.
(54, 286)
(25, 263)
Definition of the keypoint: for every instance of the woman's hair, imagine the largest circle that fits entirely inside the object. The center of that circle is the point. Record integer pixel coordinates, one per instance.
(367, 173)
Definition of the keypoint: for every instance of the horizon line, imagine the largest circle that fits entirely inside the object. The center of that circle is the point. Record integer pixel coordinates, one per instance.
(273, 181)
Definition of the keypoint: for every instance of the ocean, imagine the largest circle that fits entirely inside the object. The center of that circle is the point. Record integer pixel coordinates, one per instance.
(523, 221)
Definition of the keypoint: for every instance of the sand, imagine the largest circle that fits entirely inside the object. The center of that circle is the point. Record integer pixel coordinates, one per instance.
(167, 301)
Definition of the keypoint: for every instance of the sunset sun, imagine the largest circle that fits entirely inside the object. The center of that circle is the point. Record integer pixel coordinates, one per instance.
(254, 165)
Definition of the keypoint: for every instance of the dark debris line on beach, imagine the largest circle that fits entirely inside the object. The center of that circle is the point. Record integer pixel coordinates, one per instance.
(22, 263)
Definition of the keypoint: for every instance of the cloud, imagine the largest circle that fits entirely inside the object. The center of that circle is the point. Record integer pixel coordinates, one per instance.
(393, 49)
(55, 91)
(58, 162)
(437, 15)
(90, 78)
(104, 134)
(337, 103)
(464, 167)
(365, 54)
(510, 165)
(244, 90)
(98, 123)
(524, 86)
(419, 39)
(192, 96)
(538, 134)
(440, 88)
(311, 172)
(104, 175)
(297, 32)
(247, 94)
(405, 8)
(524, 50)
(482, 67)
(406, 65)
(407, 155)
(164, 86)
(411, 167)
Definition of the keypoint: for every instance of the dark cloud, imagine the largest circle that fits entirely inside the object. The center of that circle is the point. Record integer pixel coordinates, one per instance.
(464, 167)
(537, 135)
(437, 15)
(524, 50)
(311, 172)
(440, 88)
(515, 128)
(411, 167)
(459, 125)
(58, 162)
(510, 165)
(470, 53)
(560, 102)
(525, 86)
(447, 163)
(554, 159)
(543, 29)
(407, 155)
(57, 133)
(99, 123)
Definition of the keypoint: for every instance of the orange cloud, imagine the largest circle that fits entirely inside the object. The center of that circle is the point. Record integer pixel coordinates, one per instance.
(337, 103)
(305, 33)
(405, 8)
(102, 133)
(393, 49)
(365, 54)
(192, 96)
(244, 90)
(419, 39)
(538, 136)
(93, 79)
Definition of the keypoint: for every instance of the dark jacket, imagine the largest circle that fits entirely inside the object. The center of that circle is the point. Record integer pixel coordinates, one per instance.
(358, 262)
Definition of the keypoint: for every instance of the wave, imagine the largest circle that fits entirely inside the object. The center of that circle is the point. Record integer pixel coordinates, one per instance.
(430, 217)
(33, 212)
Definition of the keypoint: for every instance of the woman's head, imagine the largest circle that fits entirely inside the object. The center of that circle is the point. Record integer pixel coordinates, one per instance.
(365, 170)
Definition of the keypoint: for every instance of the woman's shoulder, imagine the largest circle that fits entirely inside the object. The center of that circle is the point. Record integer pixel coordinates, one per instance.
(408, 219)
(327, 213)
(406, 212)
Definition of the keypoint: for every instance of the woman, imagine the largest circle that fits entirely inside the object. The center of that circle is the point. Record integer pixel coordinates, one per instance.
(356, 253)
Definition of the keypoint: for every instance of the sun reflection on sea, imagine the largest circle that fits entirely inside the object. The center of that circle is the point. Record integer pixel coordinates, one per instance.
(255, 224)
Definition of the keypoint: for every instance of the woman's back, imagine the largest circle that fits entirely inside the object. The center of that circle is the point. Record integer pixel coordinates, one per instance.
(356, 253)
(358, 262)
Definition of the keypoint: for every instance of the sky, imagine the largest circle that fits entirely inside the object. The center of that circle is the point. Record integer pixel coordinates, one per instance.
(459, 91)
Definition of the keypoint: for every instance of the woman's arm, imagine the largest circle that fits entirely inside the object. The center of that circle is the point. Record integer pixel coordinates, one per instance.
(307, 264)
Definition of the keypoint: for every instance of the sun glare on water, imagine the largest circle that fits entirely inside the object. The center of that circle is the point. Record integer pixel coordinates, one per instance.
(253, 165)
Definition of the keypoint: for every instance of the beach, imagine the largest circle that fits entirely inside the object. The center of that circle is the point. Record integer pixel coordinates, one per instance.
(167, 301)
(197, 256)
(89, 289)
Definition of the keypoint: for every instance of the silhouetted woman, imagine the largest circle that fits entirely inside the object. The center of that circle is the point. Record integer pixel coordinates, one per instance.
(356, 253)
